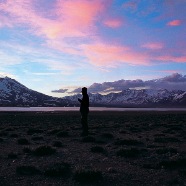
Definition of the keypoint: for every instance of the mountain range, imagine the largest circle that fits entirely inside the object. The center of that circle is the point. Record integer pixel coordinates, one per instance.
(13, 93)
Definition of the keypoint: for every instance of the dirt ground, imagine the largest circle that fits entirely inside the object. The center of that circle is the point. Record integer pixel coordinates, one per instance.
(123, 148)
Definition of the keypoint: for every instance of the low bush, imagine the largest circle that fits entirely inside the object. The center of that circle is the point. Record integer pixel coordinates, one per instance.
(88, 139)
(166, 150)
(23, 141)
(37, 138)
(44, 151)
(88, 176)
(57, 144)
(54, 131)
(128, 142)
(107, 135)
(32, 131)
(14, 135)
(173, 164)
(98, 149)
(58, 170)
(27, 170)
(128, 153)
(12, 155)
(27, 150)
(62, 134)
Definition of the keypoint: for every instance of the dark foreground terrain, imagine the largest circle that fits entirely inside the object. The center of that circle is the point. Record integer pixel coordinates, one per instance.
(123, 148)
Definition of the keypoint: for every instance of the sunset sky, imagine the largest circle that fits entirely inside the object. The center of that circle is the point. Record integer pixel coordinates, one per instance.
(65, 44)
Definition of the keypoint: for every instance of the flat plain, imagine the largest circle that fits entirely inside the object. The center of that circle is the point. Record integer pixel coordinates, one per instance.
(122, 148)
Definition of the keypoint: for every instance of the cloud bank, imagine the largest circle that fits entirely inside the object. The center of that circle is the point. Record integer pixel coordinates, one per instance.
(175, 81)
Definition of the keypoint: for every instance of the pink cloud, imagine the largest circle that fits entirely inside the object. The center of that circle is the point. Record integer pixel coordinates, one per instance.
(168, 58)
(153, 45)
(113, 23)
(174, 23)
(79, 13)
(112, 55)
(100, 54)
(5, 22)
(71, 18)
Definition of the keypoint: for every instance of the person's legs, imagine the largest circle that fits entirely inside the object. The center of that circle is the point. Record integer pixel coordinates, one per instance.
(84, 122)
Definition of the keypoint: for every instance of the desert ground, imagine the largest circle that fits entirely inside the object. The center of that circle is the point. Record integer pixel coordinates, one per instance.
(123, 148)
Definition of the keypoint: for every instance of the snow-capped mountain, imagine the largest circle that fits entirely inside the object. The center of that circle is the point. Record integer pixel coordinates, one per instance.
(12, 93)
(137, 98)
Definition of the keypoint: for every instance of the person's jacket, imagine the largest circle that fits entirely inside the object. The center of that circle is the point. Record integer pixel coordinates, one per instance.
(84, 103)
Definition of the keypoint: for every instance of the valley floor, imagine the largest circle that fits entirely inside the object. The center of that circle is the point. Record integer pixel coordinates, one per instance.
(123, 148)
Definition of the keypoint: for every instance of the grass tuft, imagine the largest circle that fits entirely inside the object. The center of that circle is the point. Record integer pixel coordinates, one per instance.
(37, 138)
(173, 164)
(98, 149)
(62, 134)
(107, 135)
(12, 155)
(57, 144)
(23, 141)
(128, 153)
(166, 150)
(88, 176)
(128, 142)
(27, 150)
(44, 151)
(14, 135)
(27, 170)
(1, 139)
(32, 131)
(88, 139)
(166, 140)
(58, 170)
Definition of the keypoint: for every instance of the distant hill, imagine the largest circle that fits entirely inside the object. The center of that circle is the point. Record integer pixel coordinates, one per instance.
(13, 93)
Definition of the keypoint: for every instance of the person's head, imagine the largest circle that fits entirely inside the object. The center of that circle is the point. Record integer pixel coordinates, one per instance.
(84, 90)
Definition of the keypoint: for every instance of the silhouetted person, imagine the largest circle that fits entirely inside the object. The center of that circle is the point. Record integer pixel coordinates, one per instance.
(84, 109)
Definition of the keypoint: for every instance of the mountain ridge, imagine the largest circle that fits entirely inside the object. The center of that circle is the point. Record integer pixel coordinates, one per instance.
(13, 93)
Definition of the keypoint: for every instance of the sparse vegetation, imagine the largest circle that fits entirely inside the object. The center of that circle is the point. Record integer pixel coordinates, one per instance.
(37, 138)
(57, 144)
(166, 140)
(3, 134)
(14, 135)
(166, 150)
(98, 149)
(23, 141)
(107, 135)
(27, 150)
(88, 139)
(88, 176)
(12, 155)
(32, 131)
(173, 164)
(58, 170)
(63, 134)
(106, 156)
(27, 170)
(128, 142)
(44, 151)
(128, 153)
(54, 131)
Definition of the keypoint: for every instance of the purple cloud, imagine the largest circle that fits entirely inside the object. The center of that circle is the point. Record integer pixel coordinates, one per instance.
(173, 82)
(59, 91)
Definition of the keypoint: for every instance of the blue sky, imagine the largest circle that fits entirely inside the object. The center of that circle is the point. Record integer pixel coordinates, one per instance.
(64, 44)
